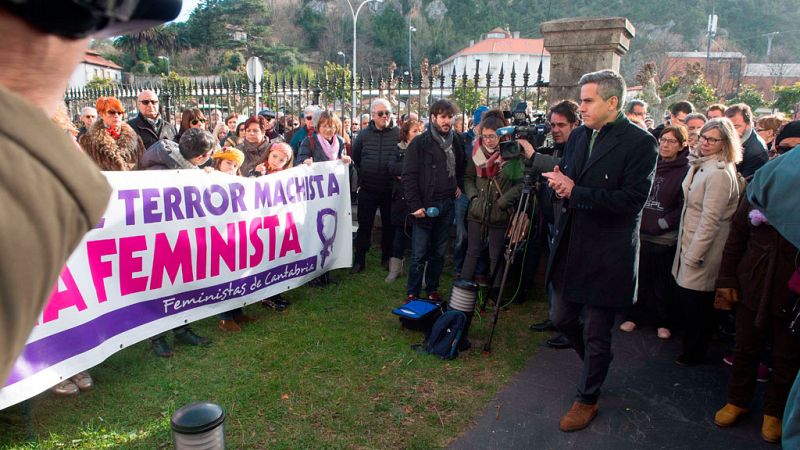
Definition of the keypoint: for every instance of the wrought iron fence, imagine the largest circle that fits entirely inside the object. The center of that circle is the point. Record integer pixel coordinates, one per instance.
(350, 98)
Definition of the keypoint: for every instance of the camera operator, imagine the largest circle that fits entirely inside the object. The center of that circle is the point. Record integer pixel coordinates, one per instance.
(493, 186)
(563, 118)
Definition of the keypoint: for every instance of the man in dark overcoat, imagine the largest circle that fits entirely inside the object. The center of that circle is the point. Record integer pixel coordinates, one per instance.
(604, 179)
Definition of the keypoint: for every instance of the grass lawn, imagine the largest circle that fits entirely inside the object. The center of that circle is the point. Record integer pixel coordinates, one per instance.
(335, 370)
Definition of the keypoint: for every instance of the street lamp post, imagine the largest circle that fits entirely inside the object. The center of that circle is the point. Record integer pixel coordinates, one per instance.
(354, 13)
(410, 30)
(344, 58)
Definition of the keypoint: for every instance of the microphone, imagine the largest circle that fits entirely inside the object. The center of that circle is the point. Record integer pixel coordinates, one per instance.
(431, 211)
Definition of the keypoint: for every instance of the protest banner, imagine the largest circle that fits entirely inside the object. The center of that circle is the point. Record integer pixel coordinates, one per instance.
(174, 247)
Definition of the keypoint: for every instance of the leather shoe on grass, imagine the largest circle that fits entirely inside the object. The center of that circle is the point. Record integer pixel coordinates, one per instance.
(546, 325)
(578, 417)
(728, 415)
(559, 342)
(357, 268)
(229, 326)
(190, 338)
(66, 387)
(771, 429)
(244, 318)
(161, 347)
(83, 380)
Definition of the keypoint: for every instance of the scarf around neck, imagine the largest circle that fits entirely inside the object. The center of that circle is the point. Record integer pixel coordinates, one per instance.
(331, 149)
(486, 167)
(446, 144)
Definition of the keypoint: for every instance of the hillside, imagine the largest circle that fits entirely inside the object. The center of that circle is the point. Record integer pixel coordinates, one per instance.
(292, 33)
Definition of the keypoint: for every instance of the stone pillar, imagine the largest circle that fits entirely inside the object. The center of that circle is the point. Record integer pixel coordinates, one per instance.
(581, 45)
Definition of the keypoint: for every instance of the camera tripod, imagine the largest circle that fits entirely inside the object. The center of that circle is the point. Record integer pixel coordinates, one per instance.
(516, 232)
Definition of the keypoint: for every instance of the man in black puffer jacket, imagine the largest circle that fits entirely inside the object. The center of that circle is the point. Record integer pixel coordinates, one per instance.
(374, 148)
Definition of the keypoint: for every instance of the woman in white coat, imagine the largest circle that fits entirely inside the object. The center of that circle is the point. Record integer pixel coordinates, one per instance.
(711, 189)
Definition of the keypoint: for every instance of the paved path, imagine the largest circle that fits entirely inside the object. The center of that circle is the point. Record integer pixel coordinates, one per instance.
(648, 402)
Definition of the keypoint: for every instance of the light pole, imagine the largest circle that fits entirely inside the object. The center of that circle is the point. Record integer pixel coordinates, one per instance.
(354, 13)
(344, 58)
(410, 30)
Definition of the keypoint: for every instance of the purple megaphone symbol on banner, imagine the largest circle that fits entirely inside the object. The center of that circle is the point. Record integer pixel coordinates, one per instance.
(326, 235)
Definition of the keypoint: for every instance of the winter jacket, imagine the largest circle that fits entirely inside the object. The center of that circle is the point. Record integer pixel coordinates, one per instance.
(595, 245)
(662, 210)
(373, 151)
(492, 200)
(52, 195)
(252, 154)
(297, 138)
(711, 191)
(317, 154)
(399, 204)
(423, 163)
(149, 133)
(110, 154)
(164, 155)
(754, 155)
(757, 261)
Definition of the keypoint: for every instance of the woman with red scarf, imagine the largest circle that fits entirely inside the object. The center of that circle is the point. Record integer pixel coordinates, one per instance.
(111, 142)
(493, 187)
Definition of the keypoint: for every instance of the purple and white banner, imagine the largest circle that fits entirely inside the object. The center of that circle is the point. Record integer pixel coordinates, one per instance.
(178, 246)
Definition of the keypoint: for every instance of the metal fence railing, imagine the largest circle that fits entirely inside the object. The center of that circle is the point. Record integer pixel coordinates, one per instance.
(290, 94)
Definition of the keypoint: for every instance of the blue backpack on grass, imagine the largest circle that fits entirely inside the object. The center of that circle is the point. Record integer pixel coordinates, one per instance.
(445, 337)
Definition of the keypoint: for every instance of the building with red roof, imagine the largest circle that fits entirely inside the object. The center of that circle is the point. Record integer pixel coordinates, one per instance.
(498, 49)
(94, 66)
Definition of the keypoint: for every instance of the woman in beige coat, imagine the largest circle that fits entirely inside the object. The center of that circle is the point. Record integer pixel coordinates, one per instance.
(711, 189)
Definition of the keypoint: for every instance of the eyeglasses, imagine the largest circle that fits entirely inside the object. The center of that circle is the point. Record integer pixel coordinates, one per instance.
(196, 121)
(309, 117)
(710, 140)
(489, 137)
(668, 141)
(295, 124)
(148, 102)
(383, 113)
(115, 113)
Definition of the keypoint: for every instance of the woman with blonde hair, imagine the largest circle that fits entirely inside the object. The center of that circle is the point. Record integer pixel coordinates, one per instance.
(767, 127)
(221, 133)
(711, 191)
(111, 142)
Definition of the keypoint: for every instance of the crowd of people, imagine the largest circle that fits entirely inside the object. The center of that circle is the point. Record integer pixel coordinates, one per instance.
(703, 245)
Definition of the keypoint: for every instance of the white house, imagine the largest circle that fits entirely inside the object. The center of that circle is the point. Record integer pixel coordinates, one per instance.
(500, 48)
(94, 66)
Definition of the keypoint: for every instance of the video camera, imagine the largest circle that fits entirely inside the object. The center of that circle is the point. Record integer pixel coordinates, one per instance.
(534, 128)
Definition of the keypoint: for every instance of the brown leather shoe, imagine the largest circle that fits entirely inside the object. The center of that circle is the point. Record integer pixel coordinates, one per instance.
(229, 326)
(728, 415)
(578, 417)
(771, 429)
(244, 318)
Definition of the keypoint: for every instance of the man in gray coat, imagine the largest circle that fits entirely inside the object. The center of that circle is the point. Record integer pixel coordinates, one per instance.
(603, 179)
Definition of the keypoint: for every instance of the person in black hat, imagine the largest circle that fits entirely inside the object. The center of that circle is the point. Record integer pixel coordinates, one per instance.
(56, 203)
(788, 137)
